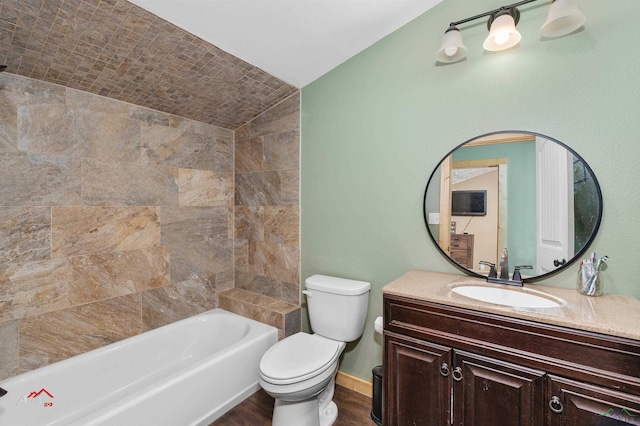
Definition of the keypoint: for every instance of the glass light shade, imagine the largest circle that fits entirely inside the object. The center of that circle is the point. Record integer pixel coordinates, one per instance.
(503, 34)
(563, 18)
(452, 49)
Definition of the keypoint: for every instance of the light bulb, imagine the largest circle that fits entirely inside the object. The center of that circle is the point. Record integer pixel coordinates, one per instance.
(502, 37)
(450, 51)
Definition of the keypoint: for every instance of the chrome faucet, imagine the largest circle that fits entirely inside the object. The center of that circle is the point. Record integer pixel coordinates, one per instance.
(503, 266)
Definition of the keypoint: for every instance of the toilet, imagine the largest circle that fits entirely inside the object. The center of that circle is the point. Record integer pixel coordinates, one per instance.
(299, 371)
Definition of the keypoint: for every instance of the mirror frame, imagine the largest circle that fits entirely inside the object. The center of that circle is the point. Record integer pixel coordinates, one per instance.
(527, 279)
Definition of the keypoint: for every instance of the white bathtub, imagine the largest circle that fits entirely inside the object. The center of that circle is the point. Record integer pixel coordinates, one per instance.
(187, 373)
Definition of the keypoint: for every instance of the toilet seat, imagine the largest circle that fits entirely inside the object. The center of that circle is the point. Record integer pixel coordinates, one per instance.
(298, 358)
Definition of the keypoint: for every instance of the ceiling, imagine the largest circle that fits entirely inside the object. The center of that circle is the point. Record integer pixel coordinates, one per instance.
(222, 62)
(296, 41)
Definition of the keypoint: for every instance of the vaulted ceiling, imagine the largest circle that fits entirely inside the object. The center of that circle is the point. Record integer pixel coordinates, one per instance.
(297, 41)
(117, 49)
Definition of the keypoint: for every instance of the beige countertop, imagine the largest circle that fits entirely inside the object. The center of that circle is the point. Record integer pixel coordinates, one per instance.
(608, 314)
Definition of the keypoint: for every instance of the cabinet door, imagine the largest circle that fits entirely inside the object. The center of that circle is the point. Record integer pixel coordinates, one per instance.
(417, 382)
(490, 392)
(575, 403)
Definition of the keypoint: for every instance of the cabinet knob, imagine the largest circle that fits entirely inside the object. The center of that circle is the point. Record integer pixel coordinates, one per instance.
(444, 369)
(457, 374)
(556, 405)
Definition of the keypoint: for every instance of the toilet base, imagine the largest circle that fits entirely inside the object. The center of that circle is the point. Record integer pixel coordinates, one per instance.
(329, 415)
(319, 410)
(305, 413)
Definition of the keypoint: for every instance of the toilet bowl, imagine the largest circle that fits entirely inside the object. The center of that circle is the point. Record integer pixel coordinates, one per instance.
(296, 371)
(299, 371)
(299, 366)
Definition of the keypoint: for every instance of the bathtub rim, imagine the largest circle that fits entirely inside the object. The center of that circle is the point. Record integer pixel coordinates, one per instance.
(256, 330)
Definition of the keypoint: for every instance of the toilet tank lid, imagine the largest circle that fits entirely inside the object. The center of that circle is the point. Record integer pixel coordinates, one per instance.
(337, 285)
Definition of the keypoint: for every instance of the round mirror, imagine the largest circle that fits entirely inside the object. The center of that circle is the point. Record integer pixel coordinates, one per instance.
(518, 190)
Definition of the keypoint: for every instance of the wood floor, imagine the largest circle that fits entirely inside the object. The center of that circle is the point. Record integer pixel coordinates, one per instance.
(354, 409)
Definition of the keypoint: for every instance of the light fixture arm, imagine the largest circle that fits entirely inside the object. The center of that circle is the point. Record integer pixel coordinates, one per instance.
(491, 12)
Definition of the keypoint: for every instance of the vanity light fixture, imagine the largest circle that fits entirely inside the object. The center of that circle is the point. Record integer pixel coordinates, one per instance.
(563, 18)
(502, 30)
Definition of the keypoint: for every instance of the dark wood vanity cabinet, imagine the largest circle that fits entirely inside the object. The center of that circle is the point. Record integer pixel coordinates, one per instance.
(421, 397)
(447, 365)
(585, 404)
(491, 392)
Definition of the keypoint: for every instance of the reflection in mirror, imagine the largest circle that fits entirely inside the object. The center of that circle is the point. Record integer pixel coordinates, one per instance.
(520, 190)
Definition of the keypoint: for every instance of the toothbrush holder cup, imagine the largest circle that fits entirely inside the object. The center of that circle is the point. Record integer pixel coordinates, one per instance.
(589, 282)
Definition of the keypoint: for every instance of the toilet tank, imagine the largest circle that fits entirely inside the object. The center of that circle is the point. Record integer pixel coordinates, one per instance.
(337, 306)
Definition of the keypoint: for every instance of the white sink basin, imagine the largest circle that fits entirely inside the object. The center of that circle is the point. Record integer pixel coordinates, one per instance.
(516, 297)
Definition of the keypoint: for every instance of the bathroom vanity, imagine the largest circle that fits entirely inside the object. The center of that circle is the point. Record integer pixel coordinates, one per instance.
(450, 359)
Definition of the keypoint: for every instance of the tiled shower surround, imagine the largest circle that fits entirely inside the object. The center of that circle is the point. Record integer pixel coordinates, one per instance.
(117, 219)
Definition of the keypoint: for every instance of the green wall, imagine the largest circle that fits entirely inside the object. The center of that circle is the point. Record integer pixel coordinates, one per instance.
(374, 128)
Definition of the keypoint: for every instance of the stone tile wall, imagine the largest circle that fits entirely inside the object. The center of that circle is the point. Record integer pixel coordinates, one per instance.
(114, 219)
(267, 212)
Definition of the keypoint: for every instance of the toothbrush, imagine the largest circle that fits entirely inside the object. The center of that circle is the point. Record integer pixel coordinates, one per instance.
(601, 261)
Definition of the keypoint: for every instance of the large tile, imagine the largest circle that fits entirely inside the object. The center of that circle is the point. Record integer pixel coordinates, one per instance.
(33, 288)
(194, 224)
(9, 350)
(249, 155)
(187, 146)
(81, 99)
(241, 254)
(25, 234)
(289, 187)
(39, 180)
(59, 335)
(199, 241)
(224, 149)
(89, 230)
(19, 91)
(258, 284)
(8, 125)
(177, 301)
(270, 188)
(205, 188)
(249, 222)
(291, 292)
(279, 261)
(282, 151)
(128, 184)
(103, 276)
(149, 115)
(242, 133)
(281, 118)
(78, 132)
(16, 92)
(282, 224)
(201, 260)
(272, 287)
